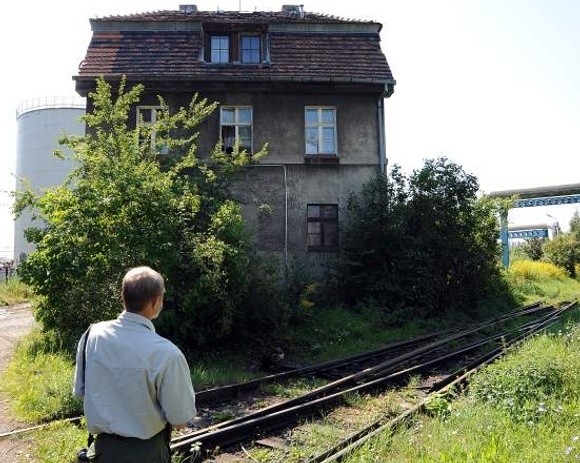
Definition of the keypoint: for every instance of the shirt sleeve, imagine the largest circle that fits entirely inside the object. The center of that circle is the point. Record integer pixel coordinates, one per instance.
(175, 392)
(79, 382)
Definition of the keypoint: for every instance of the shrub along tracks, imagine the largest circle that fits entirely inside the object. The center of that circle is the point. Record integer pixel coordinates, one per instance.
(452, 353)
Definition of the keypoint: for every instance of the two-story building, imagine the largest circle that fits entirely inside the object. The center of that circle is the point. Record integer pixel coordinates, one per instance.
(310, 85)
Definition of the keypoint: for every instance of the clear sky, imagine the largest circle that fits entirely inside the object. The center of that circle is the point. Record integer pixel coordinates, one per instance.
(494, 85)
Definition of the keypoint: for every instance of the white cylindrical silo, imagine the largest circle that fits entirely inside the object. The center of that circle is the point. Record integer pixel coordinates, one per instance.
(40, 124)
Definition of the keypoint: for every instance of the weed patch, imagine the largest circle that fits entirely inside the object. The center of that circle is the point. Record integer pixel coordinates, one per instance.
(39, 385)
(531, 280)
(293, 388)
(531, 383)
(524, 408)
(14, 291)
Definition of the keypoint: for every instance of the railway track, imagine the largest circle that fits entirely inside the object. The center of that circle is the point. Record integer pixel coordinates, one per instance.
(340, 368)
(365, 372)
(472, 352)
(459, 378)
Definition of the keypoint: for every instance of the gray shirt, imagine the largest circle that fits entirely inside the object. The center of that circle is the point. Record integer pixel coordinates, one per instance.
(135, 380)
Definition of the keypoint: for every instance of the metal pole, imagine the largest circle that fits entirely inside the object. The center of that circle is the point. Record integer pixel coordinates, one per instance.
(504, 238)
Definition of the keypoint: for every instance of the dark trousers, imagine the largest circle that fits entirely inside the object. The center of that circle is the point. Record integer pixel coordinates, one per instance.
(110, 448)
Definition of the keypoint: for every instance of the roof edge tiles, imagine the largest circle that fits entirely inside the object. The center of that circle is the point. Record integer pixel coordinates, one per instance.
(255, 17)
(238, 78)
(321, 28)
(355, 28)
(145, 25)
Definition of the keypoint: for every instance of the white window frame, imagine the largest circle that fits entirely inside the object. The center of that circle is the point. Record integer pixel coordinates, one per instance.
(237, 124)
(320, 126)
(140, 122)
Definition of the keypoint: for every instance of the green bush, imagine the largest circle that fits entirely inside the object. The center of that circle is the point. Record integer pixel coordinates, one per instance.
(420, 245)
(126, 205)
(533, 248)
(564, 251)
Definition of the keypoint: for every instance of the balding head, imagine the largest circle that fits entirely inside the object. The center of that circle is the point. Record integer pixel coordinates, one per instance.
(141, 285)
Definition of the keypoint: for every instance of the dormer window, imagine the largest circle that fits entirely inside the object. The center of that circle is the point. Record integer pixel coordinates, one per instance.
(250, 46)
(227, 47)
(220, 49)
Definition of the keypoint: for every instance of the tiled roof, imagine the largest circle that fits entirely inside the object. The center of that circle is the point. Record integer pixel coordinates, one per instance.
(166, 53)
(255, 17)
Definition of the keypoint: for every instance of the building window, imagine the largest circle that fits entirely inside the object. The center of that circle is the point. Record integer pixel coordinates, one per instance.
(220, 49)
(236, 126)
(320, 130)
(227, 47)
(322, 227)
(147, 115)
(250, 49)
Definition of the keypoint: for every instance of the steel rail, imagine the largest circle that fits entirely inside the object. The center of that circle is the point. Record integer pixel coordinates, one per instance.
(220, 393)
(278, 415)
(357, 439)
(228, 435)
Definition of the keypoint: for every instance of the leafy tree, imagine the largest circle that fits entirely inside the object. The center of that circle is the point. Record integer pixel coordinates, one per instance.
(533, 248)
(419, 245)
(575, 225)
(126, 204)
(563, 251)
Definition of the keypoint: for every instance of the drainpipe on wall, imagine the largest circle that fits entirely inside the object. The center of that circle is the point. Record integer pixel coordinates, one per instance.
(283, 166)
(381, 121)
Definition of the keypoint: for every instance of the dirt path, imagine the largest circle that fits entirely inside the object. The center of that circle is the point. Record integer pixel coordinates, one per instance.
(15, 322)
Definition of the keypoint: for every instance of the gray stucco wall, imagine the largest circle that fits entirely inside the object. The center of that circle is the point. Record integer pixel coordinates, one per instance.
(279, 121)
(275, 194)
(274, 201)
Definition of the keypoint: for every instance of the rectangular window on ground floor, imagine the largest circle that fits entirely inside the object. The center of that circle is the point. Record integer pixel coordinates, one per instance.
(322, 227)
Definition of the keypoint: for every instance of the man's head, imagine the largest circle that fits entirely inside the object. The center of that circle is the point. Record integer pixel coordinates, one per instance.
(142, 291)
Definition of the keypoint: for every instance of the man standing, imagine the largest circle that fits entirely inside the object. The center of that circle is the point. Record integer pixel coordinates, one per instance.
(134, 383)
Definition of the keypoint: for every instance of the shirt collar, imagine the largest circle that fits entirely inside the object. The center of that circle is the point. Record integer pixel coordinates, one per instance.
(132, 317)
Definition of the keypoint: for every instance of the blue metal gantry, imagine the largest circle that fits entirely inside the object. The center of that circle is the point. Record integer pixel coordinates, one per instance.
(530, 233)
(533, 197)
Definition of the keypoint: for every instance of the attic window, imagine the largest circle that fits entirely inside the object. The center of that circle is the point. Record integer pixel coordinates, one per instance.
(220, 49)
(226, 47)
(250, 49)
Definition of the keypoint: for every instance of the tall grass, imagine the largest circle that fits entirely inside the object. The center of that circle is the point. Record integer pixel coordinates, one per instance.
(220, 370)
(59, 442)
(525, 408)
(532, 280)
(334, 332)
(14, 291)
(39, 384)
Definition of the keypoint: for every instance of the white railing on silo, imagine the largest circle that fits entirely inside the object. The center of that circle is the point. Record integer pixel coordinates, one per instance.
(50, 102)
